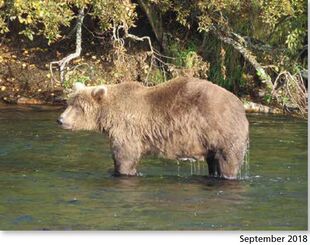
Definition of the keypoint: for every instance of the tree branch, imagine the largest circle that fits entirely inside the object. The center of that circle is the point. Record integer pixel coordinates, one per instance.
(78, 48)
(261, 46)
(240, 45)
(119, 39)
(154, 18)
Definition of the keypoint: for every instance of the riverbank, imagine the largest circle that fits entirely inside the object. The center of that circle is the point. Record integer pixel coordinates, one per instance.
(25, 77)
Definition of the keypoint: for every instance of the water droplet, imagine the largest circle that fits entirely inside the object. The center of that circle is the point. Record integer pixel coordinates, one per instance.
(219, 193)
(73, 201)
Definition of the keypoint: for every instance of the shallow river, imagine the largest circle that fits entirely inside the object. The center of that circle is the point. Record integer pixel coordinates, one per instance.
(52, 179)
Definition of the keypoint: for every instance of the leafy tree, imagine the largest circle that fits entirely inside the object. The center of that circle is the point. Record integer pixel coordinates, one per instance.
(39, 17)
(265, 33)
(47, 18)
(271, 36)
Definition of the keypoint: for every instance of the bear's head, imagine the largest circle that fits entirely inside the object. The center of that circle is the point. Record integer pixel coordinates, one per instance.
(84, 107)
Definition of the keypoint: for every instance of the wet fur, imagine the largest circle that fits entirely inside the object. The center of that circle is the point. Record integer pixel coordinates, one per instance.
(182, 118)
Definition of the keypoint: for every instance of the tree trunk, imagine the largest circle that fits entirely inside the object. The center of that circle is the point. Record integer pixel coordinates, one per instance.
(155, 20)
(229, 38)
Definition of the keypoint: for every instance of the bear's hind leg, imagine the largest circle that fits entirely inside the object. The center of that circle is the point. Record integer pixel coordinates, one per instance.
(229, 165)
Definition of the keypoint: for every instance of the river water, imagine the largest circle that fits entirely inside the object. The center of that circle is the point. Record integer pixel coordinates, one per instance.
(52, 179)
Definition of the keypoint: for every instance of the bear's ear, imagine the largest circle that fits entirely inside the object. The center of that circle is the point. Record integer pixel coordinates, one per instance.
(99, 93)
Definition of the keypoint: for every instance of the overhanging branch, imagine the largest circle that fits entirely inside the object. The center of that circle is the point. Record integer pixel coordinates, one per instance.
(239, 44)
(155, 55)
(78, 48)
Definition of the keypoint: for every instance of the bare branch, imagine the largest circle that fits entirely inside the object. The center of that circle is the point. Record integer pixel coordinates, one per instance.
(134, 37)
(154, 54)
(292, 89)
(78, 48)
(161, 55)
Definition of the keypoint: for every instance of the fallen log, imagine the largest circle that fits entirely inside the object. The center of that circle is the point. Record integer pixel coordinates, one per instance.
(251, 107)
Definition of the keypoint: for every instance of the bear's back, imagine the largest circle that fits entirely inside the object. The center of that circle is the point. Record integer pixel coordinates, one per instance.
(178, 98)
(183, 94)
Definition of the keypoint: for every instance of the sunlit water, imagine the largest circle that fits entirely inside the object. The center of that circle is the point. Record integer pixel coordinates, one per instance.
(52, 179)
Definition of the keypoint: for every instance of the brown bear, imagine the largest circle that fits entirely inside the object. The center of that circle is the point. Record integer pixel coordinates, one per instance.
(183, 118)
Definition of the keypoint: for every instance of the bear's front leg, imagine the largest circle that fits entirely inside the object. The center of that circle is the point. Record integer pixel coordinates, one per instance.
(126, 157)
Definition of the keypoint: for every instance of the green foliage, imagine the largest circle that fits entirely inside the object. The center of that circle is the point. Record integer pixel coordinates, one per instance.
(82, 73)
(73, 78)
(281, 23)
(46, 18)
(187, 60)
(295, 39)
(274, 31)
(38, 17)
(286, 22)
(156, 76)
(3, 25)
(278, 23)
(267, 98)
(262, 75)
(275, 34)
(117, 12)
(227, 81)
(184, 57)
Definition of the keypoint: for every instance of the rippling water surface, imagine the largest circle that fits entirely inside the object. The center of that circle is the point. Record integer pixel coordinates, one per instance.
(52, 179)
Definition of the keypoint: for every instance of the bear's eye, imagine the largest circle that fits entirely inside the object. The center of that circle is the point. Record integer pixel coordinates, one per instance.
(79, 108)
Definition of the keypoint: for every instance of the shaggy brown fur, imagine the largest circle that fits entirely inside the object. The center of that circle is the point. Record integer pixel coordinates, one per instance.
(182, 118)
